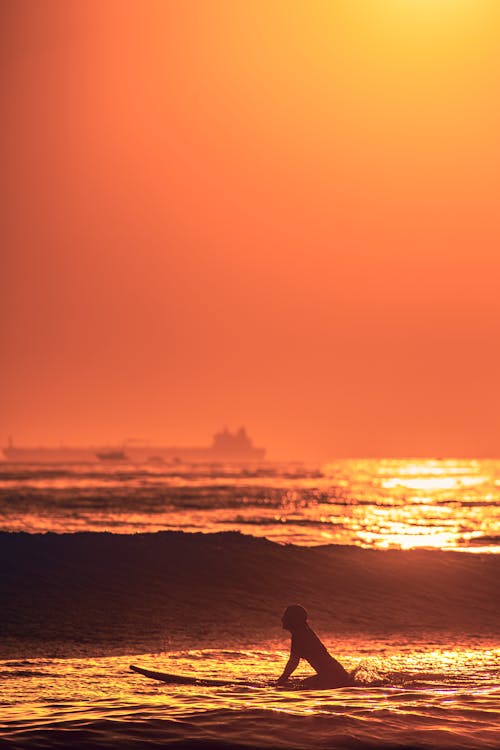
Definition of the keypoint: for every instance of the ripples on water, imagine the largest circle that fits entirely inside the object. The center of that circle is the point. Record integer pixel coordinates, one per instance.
(415, 696)
(384, 503)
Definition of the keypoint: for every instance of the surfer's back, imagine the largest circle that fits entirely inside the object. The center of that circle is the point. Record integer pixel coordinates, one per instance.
(306, 645)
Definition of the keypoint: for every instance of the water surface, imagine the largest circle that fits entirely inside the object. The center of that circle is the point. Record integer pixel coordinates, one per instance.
(188, 568)
(373, 503)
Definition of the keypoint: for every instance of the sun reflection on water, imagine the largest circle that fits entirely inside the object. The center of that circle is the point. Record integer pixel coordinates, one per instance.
(397, 675)
(445, 504)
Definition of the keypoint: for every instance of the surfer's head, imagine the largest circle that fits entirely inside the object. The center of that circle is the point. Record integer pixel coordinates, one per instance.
(293, 617)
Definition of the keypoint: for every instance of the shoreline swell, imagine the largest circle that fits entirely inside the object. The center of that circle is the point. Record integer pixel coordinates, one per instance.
(115, 591)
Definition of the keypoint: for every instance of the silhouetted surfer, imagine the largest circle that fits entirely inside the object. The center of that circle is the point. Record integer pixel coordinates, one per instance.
(306, 645)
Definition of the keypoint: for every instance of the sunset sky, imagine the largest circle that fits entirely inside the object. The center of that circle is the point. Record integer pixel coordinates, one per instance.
(264, 212)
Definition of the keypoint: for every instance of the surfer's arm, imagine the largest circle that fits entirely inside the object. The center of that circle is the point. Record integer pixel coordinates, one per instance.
(291, 666)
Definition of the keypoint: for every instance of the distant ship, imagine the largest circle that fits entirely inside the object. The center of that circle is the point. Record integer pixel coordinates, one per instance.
(227, 446)
(236, 445)
(112, 455)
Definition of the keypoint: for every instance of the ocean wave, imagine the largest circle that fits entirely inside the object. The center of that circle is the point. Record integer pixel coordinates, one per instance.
(15, 674)
(132, 589)
(344, 726)
(188, 473)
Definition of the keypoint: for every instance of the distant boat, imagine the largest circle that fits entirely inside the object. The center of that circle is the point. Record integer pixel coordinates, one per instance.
(112, 455)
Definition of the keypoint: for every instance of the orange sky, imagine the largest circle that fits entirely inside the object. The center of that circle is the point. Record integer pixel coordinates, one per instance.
(272, 213)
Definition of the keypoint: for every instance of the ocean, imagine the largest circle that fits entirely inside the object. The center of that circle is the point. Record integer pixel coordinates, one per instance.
(188, 568)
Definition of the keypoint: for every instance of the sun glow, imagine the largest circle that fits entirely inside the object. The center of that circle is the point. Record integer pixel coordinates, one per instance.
(433, 483)
(442, 10)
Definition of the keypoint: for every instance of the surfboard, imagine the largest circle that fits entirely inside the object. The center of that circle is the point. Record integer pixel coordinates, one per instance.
(181, 679)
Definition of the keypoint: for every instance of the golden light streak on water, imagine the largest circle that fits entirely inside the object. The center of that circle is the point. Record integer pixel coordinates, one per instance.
(435, 503)
(395, 674)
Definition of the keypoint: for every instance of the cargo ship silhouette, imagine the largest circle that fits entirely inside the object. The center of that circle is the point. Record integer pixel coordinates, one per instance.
(226, 446)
